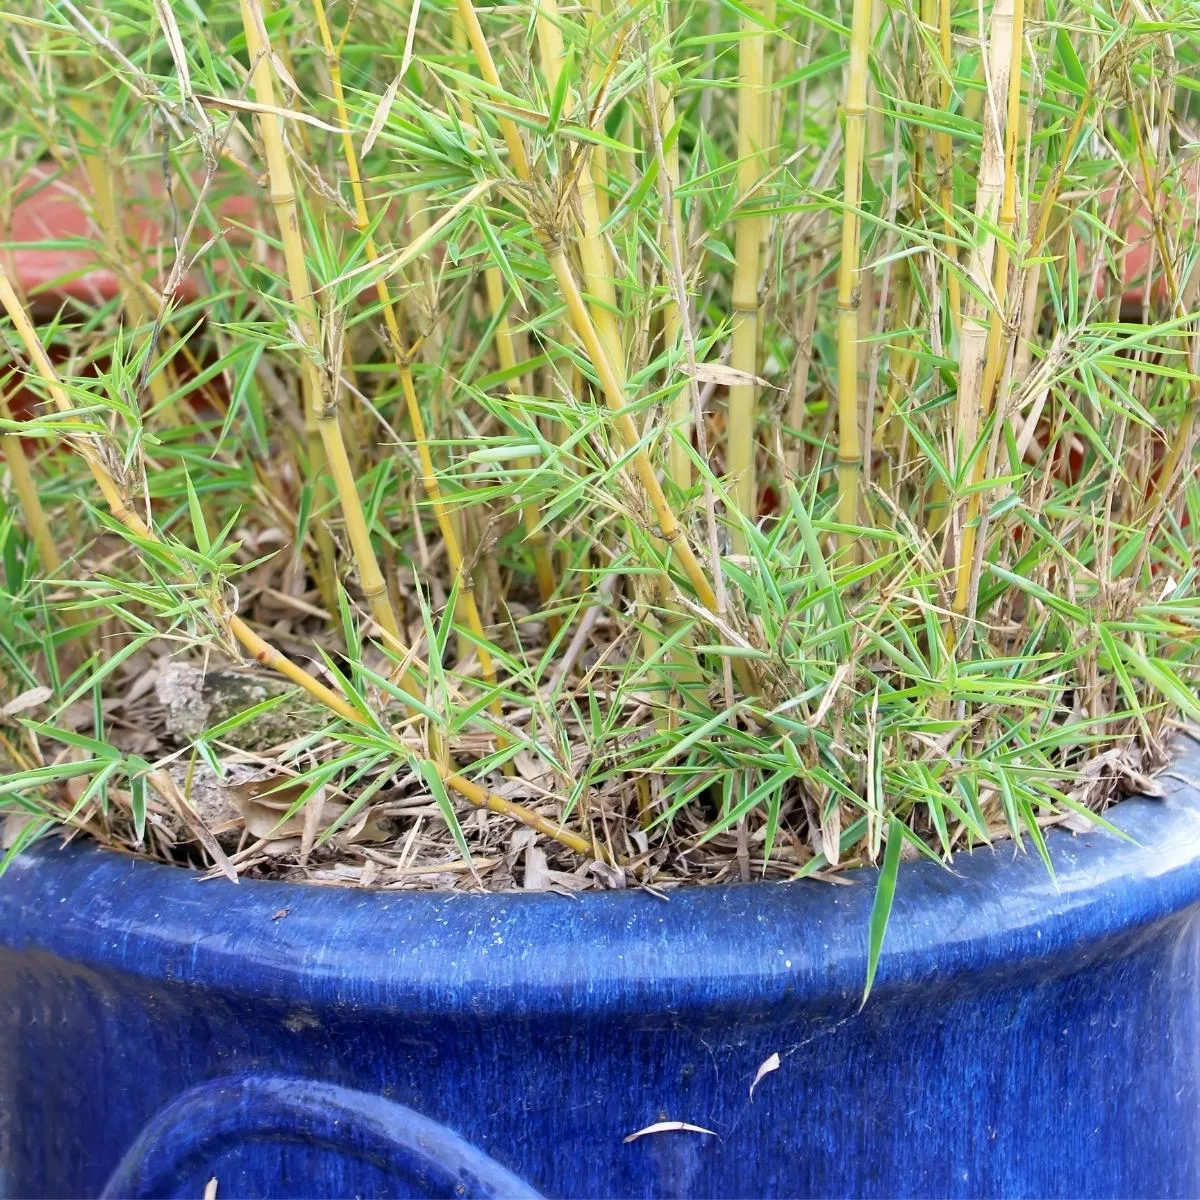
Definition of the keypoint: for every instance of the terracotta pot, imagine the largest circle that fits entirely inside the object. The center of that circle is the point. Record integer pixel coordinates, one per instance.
(52, 207)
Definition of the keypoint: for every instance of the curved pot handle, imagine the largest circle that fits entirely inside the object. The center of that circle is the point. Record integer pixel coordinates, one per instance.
(196, 1126)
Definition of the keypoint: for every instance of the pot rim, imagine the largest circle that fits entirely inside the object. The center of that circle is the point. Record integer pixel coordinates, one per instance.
(744, 948)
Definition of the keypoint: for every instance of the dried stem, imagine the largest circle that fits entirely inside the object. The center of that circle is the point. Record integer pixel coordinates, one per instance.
(994, 343)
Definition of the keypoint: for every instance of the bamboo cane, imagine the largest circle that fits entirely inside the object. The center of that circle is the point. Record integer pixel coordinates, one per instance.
(943, 148)
(995, 343)
(27, 495)
(849, 442)
(972, 403)
(321, 407)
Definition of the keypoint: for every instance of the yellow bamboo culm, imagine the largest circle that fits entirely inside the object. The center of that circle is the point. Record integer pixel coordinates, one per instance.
(741, 440)
(598, 156)
(943, 148)
(321, 406)
(679, 461)
(612, 384)
(973, 403)
(593, 253)
(27, 496)
(510, 356)
(511, 350)
(261, 650)
(849, 440)
(99, 171)
(996, 344)
(429, 482)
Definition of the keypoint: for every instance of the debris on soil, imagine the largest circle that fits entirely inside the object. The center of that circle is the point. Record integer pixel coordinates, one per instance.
(196, 700)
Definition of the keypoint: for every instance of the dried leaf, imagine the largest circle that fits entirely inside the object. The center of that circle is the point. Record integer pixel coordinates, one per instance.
(669, 1127)
(382, 109)
(166, 18)
(719, 373)
(771, 1064)
(166, 787)
(537, 874)
(410, 37)
(610, 876)
(831, 833)
(26, 700)
(250, 106)
(314, 808)
(14, 824)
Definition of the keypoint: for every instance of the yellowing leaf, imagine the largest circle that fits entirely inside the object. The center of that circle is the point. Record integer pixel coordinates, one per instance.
(382, 109)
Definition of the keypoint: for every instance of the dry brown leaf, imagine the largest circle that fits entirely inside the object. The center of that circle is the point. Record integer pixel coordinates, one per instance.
(28, 699)
(382, 110)
(537, 874)
(250, 106)
(719, 373)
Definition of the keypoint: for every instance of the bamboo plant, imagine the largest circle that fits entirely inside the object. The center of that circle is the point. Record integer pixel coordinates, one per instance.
(770, 372)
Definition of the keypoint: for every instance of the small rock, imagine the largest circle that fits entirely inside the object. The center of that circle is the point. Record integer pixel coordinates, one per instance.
(210, 795)
(197, 700)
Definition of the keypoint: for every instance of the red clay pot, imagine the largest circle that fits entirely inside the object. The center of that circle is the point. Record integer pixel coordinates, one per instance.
(53, 242)
(51, 206)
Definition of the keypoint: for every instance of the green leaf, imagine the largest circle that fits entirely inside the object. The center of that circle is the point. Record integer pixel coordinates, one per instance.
(442, 798)
(885, 893)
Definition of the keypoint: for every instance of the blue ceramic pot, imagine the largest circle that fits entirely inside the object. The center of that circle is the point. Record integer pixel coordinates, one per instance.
(1023, 1038)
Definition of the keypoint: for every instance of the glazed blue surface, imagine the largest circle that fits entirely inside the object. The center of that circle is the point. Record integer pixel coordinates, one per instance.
(1023, 1038)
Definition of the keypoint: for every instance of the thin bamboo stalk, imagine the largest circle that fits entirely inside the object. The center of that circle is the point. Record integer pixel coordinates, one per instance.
(679, 461)
(99, 170)
(593, 252)
(429, 481)
(599, 154)
(849, 439)
(1023, 354)
(261, 650)
(27, 496)
(509, 355)
(943, 149)
(972, 403)
(742, 441)
(995, 347)
(321, 408)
